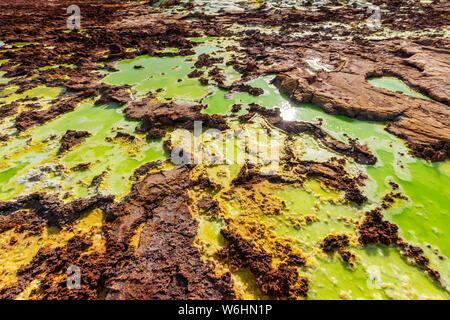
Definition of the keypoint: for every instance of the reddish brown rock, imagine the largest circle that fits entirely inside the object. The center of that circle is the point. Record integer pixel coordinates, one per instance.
(162, 115)
(360, 153)
(72, 138)
(283, 282)
(46, 210)
(424, 124)
(165, 265)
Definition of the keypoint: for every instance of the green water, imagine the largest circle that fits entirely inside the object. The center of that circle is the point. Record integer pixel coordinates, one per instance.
(379, 272)
(42, 92)
(396, 85)
(118, 158)
(170, 75)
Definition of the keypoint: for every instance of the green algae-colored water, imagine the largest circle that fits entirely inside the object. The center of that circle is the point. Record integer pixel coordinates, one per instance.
(117, 158)
(148, 74)
(396, 85)
(379, 273)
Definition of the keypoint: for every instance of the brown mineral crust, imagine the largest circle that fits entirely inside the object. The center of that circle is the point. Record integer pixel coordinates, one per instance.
(428, 70)
(389, 198)
(347, 256)
(287, 254)
(52, 47)
(195, 74)
(247, 88)
(205, 60)
(394, 185)
(334, 242)
(374, 230)
(296, 260)
(160, 115)
(414, 252)
(417, 255)
(98, 179)
(434, 152)
(280, 283)
(203, 81)
(345, 14)
(113, 94)
(85, 82)
(91, 266)
(209, 205)
(146, 168)
(249, 175)
(430, 13)
(81, 166)
(110, 31)
(236, 108)
(72, 138)
(331, 174)
(205, 182)
(355, 195)
(149, 33)
(52, 262)
(125, 136)
(156, 133)
(339, 243)
(28, 119)
(334, 176)
(360, 154)
(169, 3)
(46, 210)
(424, 124)
(217, 75)
(164, 265)
(8, 110)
